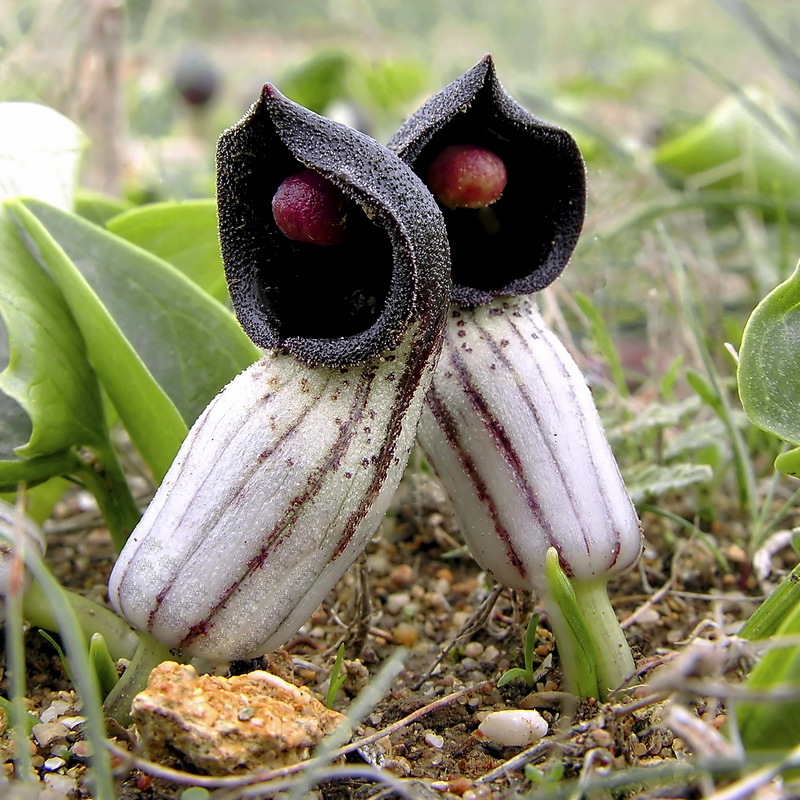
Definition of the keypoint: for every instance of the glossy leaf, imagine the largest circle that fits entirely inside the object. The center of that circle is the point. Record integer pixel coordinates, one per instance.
(161, 347)
(98, 208)
(185, 234)
(769, 366)
(49, 396)
(151, 418)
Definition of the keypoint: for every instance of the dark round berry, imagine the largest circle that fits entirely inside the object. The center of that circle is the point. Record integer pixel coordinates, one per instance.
(466, 176)
(195, 78)
(309, 208)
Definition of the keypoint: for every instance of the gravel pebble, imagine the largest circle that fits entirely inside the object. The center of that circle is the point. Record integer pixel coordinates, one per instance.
(56, 709)
(396, 602)
(433, 739)
(47, 733)
(514, 728)
(63, 784)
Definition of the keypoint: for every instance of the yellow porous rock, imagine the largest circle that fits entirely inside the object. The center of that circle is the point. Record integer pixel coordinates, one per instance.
(228, 725)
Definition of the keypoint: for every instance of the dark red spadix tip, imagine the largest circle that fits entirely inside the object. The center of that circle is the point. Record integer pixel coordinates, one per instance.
(309, 208)
(466, 176)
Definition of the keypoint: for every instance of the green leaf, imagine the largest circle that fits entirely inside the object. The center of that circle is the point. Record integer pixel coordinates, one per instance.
(769, 364)
(704, 390)
(769, 616)
(150, 416)
(337, 677)
(57, 647)
(185, 234)
(774, 726)
(161, 347)
(746, 143)
(98, 208)
(512, 674)
(576, 648)
(49, 396)
(789, 463)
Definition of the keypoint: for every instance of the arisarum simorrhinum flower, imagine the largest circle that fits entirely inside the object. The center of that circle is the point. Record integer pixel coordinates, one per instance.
(509, 423)
(338, 264)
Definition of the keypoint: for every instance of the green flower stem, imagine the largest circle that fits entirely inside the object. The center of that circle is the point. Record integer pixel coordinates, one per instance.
(613, 654)
(149, 654)
(121, 639)
(105, 479)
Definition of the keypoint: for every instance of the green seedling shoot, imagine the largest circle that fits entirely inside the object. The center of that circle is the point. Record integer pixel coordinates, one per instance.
(576, 645)
(103, 664)
(525, 672)
(337, 678)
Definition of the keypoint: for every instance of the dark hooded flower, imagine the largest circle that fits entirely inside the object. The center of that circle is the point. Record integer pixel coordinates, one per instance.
(347, 302)
(522, 242)
(509, 424)
(284, 478)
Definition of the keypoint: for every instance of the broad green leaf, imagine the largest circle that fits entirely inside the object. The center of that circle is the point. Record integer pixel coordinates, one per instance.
(49, 396)
(151, 418)
(769, 365)
(39, 153)
(162, 347)
(98, 208)
(185, 234)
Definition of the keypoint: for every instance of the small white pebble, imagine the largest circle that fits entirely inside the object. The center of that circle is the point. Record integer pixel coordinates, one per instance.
(47, 733)
(72, 722)
(491, 653)
(514, 728)
(54, 763)
(459, 619)
(396, 602)
(649, 616)
(473, 649)
(85, 501)
(433, 739)
(55, 710)
(62, 784)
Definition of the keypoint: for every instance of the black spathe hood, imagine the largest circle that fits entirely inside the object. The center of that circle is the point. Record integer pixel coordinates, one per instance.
(337, 304)
(521, 243)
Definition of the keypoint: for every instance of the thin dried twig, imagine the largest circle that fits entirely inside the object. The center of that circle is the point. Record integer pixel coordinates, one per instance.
(521, 759)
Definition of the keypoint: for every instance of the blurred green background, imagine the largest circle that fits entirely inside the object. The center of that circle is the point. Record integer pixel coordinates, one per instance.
(153, 82)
